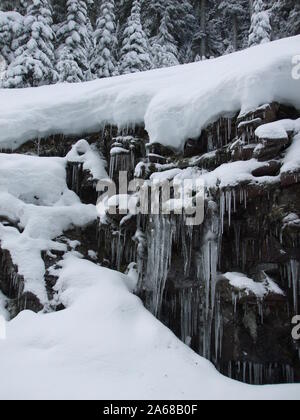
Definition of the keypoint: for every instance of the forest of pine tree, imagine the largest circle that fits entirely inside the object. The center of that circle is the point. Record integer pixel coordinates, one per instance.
(49, 41)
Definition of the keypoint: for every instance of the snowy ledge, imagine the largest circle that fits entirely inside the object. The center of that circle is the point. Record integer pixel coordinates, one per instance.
(243, 283)
(174, 104)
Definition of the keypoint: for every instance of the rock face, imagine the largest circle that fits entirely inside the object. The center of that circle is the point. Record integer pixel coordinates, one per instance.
(251, 229)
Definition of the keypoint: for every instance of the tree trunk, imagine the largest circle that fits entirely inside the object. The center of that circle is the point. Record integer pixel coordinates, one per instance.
(251, 7)
(203, 28)
(235, 32)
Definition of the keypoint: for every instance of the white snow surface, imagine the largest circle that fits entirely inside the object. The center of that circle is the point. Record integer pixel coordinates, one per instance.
(174, 103)
(278, 129)
(34, 195)
(105, 345)
(260, 289)
(87, 154)
(282, 129)
(292, 157)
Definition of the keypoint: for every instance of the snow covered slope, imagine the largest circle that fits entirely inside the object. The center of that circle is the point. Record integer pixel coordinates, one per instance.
(34, 196)
(174, 103)
(105, 345)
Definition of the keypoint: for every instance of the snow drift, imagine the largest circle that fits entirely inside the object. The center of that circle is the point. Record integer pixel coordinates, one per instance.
(105, 345)
(35, 197)
(174, 104)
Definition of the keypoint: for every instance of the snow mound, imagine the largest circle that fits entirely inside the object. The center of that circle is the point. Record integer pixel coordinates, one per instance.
(292, 157)
(34, 197)
(278, 129)
(86, 154)
(282, 130)
(174, 103)
(105, 345)
(242, 282)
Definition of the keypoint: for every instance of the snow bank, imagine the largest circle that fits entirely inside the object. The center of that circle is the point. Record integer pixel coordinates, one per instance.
(292, 157)
(34, 195)
(278, 129)
(174, 104)
(105, 345)
(282, 130)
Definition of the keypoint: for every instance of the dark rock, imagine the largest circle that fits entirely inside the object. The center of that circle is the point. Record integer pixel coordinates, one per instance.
(272, 168)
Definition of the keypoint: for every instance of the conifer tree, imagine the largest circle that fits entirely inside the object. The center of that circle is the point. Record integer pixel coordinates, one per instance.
(260, 30)
(105, 42)
(164, 48)
(34, 60)
(294, 20)
(74, 42)
(235, 22)
(135, 53)
(181, 22)
(207, 39)
(10, 26)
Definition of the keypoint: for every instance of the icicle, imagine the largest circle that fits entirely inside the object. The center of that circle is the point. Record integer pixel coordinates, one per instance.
(294, 281)
(234, 303)
(228, 204)
(207, 275)
(189, 304)
(230, 370)
(222, 209)
(245, 198)
(244, 371)
(228, 201)
(218, 331)
(260, 310)
(160, 240)
(210, 144)
(237, 237)
(218, 133)
(229, 123)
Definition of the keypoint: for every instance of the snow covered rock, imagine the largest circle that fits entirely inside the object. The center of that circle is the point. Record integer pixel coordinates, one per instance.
(39, 207)
(169, 102)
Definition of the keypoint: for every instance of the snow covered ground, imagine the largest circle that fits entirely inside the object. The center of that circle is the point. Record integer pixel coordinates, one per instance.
(35, 198)
(174, 103)
(105, 345)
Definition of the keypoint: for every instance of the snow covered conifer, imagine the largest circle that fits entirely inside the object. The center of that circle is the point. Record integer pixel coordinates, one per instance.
(164, 48)
(11, 5)
(74, 41)
(11, 28)
(34, 50)
(181, 22)
(285, 17)
(67, 68)
(260, 31)
(105, 42)
(135, 49)
(294, 20)
(90, 48)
